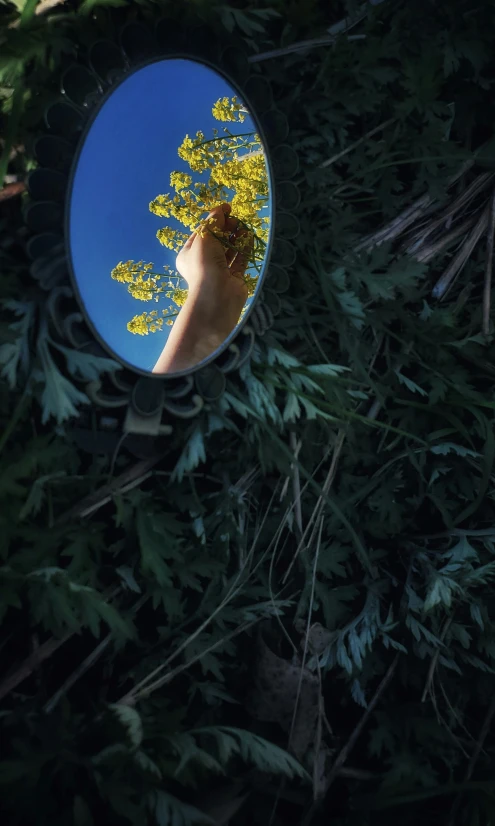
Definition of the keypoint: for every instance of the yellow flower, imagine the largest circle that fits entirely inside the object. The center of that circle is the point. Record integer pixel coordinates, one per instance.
(179, 180)
(233, 168)
(171, 238)
(228, 110)
(179, 295)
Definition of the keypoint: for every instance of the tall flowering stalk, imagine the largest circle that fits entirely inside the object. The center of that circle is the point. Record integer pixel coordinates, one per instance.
(234, 170)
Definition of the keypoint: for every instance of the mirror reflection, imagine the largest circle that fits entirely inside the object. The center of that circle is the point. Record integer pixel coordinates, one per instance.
(169, 216)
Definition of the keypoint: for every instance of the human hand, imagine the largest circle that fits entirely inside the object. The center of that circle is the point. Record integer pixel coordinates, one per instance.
(216, 291)
(209, 267)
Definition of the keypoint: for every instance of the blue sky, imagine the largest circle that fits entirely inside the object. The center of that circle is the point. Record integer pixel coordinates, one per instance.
(125, 162)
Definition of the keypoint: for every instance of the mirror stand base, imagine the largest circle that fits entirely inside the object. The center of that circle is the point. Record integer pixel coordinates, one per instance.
(145, 425)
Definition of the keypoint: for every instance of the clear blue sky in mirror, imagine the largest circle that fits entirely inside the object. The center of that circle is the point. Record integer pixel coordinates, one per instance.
(125, 162)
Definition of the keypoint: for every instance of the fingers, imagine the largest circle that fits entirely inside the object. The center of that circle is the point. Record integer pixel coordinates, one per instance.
(245, 240)
(189, 242)
(231, 224)
(219, 214)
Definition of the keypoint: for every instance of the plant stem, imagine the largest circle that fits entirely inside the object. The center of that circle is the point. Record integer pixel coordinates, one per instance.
(347, 748)
(488, 270)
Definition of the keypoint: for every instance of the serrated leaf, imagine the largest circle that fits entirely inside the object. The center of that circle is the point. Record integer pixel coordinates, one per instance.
(193, 454)
(84, 365)
(357, 694)
(15, 355)
(475, 611)
(292, 409)
(410, 384)
(170, 811)
(328, 370)
(127, 575)
(450, 447)
(131, 721)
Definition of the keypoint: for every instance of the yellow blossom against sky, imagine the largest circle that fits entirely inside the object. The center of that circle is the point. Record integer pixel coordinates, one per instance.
(236, 171)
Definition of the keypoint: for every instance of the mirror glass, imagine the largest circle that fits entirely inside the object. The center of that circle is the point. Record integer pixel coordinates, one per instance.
(169, 216)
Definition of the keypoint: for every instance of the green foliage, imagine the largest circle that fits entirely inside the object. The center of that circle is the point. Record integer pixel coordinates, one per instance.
(132, 620)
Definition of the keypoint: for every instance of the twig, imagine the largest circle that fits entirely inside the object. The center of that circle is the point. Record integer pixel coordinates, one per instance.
(462, 201)
(347, 748)
(306, 642)
(87, 663)
(131, 477)
(434, 660)
(11, 190)
(357, 143)
(425, 255)
(142, 688)
(132, 697)
(349, 22)
(487, 289)
(446, 280)
(78, 672)
(296, 483)
(30, 664)
(42, 653)
(301, 46)
(42, 7)
(397, 226)
(313, 520)
(485, 728)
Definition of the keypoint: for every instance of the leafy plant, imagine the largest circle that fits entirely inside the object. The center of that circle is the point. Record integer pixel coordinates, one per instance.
(337, 501)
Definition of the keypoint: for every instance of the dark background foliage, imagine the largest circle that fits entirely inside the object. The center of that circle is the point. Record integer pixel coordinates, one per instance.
(286, 617)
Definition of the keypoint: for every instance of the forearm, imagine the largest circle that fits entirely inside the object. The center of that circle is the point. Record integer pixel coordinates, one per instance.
(201, 327)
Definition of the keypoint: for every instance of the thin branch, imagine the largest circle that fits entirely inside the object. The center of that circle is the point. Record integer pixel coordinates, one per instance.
(347, 748)
(42, 653)
(408, 216)
(349, 22)
(78, 672)
(434, 660)
(313, 520)
(485, 728)
(487, 289)
(131, 477)
(296, 483)
(141, 688)
(87, 663)
(430, 251)
(301, 46)
(446, 280)
(456, 206)
(30, 664)
(11, 190)
(306, 639)
(357, 143)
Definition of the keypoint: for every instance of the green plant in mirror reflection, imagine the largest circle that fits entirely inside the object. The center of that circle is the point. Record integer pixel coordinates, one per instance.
(238, 174)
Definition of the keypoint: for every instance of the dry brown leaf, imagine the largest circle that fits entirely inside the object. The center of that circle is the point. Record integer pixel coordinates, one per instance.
(275, 693)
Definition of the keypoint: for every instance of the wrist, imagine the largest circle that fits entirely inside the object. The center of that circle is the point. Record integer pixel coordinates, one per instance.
(213, 299)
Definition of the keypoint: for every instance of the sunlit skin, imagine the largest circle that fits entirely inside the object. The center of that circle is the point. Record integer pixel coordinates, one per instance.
(216, 292)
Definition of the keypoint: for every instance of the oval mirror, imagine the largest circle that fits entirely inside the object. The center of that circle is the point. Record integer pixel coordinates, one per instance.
(168, 213)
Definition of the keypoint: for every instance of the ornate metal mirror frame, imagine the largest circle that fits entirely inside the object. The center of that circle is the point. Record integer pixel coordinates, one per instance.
(127, 400)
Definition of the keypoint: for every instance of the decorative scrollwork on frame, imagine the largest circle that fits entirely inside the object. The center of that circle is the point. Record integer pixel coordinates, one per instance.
(129, 401)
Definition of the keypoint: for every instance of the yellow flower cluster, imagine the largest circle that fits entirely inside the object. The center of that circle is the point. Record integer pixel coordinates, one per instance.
(146, 323)
(178, 296)
(142, 282)
(180, 180)
(228, 110)
(126, 271)
(236, 172)
(142, 324)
